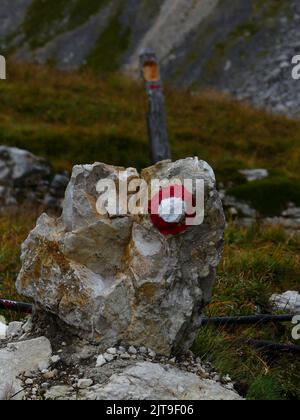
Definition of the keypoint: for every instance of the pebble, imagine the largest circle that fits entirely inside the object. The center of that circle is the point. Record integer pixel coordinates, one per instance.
(132, 350)
(152, 353)
(55, 359)
(125, 356)
(29, 381)
(100, 361)
(84, 383)
(112, 351)
(50, 375)
(108, 357)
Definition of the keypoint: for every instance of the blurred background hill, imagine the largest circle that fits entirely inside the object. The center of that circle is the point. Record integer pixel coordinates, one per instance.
(239, 46)
(68, 98)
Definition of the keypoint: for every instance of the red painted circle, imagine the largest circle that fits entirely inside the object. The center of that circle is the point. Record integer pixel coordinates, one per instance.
(164, 227)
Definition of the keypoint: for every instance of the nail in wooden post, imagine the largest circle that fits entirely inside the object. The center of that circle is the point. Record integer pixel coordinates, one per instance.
(157, 124)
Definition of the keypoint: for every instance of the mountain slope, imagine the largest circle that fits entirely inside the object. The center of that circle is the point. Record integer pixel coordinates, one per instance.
(241, 46)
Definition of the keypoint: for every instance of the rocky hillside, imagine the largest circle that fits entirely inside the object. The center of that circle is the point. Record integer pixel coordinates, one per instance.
(241, 46)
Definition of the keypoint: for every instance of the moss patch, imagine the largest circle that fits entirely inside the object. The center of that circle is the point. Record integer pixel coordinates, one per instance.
(46, 19)
(110, 47)
(269, 196)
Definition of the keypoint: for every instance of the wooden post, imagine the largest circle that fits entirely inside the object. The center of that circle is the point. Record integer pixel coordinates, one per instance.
(157, 124)
(2, 68)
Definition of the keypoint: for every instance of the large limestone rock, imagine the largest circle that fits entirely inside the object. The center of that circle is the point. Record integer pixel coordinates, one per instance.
(117, 279)
(149, 381)
(18, 358)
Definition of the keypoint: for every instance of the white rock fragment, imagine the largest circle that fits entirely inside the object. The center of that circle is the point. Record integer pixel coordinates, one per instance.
(29, 381)
(125, 356)
(3, 329)
(132, 350)
(84, 383)
(151, 353)
(14, 329)
(288, 301)
(108, 357)
(55, 359)
(27, 327)
(255, 174)
(112, 351)
(149, 381)
(100, 361)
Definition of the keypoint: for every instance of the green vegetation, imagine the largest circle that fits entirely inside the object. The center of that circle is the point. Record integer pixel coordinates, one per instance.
(112, 43)
(263, 15)
(257, 262)
(270, 196)
(80, 118)
(47, 18)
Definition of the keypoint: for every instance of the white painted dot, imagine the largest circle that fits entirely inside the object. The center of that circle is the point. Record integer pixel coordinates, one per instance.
(172, 210)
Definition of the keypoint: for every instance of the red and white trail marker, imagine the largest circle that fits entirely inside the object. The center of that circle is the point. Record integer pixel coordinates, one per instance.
(170, 208)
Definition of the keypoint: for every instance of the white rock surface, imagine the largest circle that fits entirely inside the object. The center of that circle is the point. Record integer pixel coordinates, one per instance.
(288, 301)
(14, 329)
(3, 328)
(118, 279)
(149, 381)
(17, 358)
(84, 383)
(255, 174)
(100, 361)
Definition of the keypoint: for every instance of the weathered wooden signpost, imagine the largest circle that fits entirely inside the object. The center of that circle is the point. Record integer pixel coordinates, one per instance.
(157, 124)
(2, 68)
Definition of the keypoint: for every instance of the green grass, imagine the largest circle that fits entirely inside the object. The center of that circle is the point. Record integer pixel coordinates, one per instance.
(257, 263)
(112, 43)
(271, 195)
(47, 18)
(81, 118)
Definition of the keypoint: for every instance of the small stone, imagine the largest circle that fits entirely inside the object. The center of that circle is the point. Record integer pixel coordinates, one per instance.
(55, 359)
(14, 329)
(3, 329)
(27, 327)
(108, 357)
(143, 350)
(112, 351)
(29, 381)
(132, 350)
(100, 361)
(50, 375)
(152, 353)
(121, 349)
(125, 356)
(84, 383)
